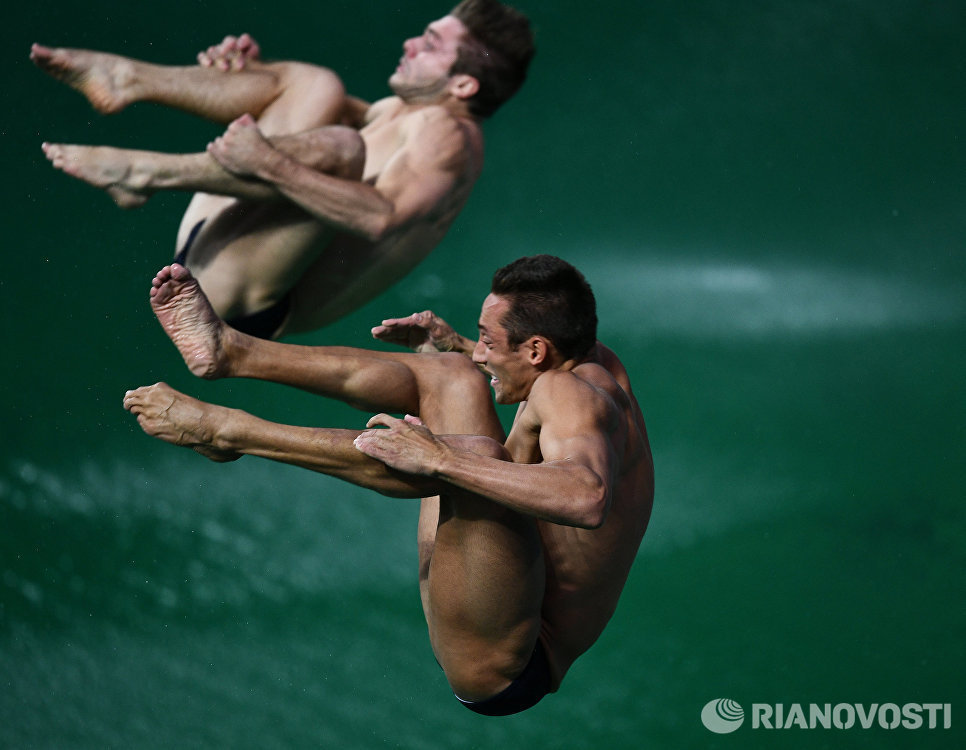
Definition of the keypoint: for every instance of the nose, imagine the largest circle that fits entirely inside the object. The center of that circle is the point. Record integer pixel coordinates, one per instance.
(479, 353)
(409, 47)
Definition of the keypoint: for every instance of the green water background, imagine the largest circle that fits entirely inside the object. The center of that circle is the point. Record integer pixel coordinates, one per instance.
(768, 198)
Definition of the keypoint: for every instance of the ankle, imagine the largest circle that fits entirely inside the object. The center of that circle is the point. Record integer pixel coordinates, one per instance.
(233, 352)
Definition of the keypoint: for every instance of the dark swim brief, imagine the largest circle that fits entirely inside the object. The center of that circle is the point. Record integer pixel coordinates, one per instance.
(523, 693)
(264, 323)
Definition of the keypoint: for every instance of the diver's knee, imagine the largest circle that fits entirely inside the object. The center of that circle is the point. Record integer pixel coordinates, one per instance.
(482, 446)
(322, 81)
(482, 677)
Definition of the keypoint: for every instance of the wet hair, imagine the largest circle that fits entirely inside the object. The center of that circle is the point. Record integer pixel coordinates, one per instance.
(548, 297)
(496, 52)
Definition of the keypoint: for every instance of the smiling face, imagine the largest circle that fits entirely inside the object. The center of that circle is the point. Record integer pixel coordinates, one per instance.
(511, 369)
(423, 73)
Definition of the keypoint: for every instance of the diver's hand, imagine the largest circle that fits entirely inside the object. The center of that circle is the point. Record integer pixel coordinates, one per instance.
(423, 332)
(233, 54)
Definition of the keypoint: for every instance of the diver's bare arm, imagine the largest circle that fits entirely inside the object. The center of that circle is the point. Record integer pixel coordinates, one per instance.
(573, 484)
(409, 189)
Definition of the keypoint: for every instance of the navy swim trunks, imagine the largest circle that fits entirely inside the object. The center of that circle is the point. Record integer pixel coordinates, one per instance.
(523, 693)
(262, 324)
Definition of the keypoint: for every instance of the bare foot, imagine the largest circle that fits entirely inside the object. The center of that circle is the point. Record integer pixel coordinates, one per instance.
(190, 322)
(108, 81)
(105, 167)
(168, 415)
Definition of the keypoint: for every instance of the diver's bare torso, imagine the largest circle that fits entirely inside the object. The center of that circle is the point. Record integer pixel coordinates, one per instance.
(587, 568)
(275, 248)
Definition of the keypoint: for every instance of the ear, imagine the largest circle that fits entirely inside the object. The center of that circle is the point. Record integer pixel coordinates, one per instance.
(463, 86)
(538, 350)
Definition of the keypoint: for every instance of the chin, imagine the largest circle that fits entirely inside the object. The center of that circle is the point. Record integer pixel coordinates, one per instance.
(502, 397)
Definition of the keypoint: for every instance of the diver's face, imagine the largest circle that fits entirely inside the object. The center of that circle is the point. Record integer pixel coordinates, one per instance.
(423, 70)
(509, 367)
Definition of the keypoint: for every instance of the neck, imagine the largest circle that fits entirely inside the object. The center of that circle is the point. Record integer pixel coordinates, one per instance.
(570, 364)
(594, 356)
(415, 100)
(556, 362)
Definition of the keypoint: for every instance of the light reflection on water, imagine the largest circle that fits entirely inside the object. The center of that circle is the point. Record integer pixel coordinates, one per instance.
(720, 300)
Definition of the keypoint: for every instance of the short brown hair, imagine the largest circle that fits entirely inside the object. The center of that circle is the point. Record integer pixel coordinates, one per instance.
(496, 53)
